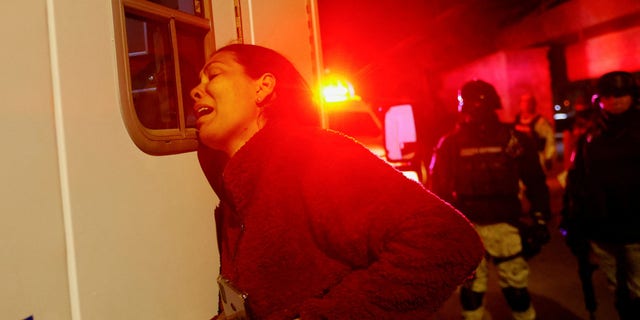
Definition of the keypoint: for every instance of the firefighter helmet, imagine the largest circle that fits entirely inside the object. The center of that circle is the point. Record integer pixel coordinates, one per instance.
(617, 84)
(477, 95)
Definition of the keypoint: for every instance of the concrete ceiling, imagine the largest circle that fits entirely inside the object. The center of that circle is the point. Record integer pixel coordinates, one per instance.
(433, 34)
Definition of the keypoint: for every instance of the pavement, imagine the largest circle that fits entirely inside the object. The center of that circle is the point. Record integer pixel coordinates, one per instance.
(554, 284)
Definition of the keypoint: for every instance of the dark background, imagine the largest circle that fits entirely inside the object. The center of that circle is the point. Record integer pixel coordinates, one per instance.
(390, 48)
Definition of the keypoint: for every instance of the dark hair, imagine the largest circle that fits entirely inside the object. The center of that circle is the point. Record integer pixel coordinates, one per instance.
(292, 98)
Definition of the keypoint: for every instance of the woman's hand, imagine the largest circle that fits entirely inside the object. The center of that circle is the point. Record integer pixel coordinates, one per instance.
(221, 316)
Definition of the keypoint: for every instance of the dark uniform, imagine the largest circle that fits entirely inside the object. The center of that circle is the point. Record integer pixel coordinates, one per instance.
(477, 168)
(603, 189)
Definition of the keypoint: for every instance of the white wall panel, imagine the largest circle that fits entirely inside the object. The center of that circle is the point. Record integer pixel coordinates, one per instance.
(33, 273)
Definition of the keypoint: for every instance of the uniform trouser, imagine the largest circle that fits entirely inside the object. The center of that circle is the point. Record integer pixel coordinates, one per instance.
(621, 264)
(503, 245)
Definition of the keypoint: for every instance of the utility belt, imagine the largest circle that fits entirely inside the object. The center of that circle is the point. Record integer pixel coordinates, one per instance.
(485, 210)
(499, 260)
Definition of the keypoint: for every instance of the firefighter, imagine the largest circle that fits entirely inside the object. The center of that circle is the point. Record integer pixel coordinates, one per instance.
(477, 168)
(603, 184)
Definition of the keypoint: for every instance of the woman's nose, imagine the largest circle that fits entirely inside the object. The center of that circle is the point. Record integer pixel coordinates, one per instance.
(196, 93)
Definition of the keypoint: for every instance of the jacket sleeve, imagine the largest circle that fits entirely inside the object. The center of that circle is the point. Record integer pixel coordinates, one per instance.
(407, 249)
(545, 130)
(533, 178)
(575, 193)
(441, 170)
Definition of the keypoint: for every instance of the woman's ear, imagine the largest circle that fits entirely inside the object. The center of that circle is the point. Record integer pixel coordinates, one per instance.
(266, 86)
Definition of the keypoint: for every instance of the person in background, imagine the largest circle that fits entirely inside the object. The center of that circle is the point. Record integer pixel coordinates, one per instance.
(533, 124)
(477, 168)
(311, 224)
(602, 205)
(584, 116)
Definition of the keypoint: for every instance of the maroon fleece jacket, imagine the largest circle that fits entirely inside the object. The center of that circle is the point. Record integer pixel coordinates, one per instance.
(313, 225)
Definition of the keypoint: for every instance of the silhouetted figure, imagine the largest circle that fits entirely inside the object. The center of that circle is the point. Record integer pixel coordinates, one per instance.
(602, 203)
(477, 168)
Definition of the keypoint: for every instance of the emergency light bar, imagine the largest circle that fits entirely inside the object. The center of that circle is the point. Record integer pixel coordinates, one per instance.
(337, 89)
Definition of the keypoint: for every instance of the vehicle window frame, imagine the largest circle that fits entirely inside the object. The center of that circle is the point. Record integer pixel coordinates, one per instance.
(158, 141)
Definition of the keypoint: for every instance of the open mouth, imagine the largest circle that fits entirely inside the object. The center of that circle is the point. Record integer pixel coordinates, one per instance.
(203, 111)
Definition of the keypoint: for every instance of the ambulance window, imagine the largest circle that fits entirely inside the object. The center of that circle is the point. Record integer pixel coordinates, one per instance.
(161, 45)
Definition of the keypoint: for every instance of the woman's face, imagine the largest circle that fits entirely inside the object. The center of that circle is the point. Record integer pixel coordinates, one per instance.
(615, 105)
(527, 104)
(225, 104)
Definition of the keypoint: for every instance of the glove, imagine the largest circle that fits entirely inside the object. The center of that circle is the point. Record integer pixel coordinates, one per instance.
(220, 316)
(534, 234)
(533, 238)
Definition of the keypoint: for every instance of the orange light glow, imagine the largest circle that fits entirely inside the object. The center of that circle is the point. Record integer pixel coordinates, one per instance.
(336, 88)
